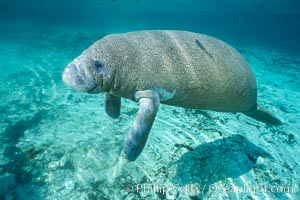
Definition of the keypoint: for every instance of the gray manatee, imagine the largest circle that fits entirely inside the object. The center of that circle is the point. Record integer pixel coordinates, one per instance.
(176, 68)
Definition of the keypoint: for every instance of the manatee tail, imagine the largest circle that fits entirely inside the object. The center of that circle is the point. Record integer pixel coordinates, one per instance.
(261, 114)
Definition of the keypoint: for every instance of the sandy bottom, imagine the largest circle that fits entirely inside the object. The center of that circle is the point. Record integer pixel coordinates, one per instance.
(57, 143)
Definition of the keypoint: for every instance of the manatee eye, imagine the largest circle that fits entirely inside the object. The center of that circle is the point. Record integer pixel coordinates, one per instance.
(98, 66)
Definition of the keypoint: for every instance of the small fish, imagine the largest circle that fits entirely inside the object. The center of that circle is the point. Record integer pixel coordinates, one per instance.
(199, 44)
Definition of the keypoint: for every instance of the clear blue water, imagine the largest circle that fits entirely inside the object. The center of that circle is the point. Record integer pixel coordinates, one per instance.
(57, 143)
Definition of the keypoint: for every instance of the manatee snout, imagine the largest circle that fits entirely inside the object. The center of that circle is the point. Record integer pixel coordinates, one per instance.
(79, 76)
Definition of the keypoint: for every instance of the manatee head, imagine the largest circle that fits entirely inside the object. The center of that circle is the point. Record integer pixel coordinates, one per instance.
(84, 74)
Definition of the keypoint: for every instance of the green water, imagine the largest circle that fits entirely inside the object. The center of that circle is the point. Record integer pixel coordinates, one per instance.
(57, 143)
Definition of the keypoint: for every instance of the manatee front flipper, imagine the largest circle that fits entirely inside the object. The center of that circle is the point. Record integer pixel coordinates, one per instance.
(261, 114)
(112, 105)
(136, 138)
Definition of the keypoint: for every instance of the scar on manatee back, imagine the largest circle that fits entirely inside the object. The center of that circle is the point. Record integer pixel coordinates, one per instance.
(199, 44)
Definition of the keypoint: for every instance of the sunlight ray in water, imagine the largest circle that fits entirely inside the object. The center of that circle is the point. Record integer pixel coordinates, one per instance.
(117, 169)
(176, 127)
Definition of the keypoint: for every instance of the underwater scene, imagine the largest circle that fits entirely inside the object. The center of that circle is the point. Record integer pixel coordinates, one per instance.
(59, 143)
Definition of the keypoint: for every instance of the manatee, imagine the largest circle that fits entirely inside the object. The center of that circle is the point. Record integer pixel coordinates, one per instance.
(176, 68)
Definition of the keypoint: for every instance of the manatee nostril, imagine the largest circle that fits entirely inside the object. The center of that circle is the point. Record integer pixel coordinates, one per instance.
(79, 80)
(82, 71)
(74, 68)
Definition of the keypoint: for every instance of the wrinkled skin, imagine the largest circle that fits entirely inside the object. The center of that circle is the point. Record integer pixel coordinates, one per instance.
(177, 68)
